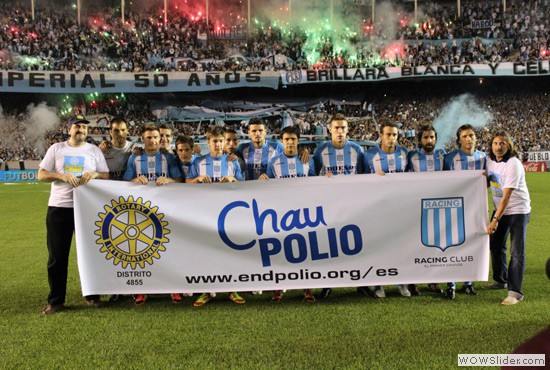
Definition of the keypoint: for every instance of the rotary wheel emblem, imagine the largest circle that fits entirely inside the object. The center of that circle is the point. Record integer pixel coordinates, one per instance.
(131, 232)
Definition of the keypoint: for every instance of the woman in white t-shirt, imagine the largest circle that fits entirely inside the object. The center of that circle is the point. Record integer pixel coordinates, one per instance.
(512, 212)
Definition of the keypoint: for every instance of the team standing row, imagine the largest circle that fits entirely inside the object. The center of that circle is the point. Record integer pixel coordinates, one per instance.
(75, 162)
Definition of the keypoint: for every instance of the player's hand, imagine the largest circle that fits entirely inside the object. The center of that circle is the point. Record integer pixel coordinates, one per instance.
(164, 180)
(204, 179)
(105, 145)
(228, 179)
(492, 228)
(137, 150)
(70, 179)
(304, 156)
(87, 176)
(166, 151)
(263, 176)
(232, 157)
(141, 180)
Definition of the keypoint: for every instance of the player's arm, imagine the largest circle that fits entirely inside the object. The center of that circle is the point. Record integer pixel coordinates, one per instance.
(317, 160)
(175, 174)
(311, 171)
(105, 146)
(47, 176)
(366, 164)
(506, 194)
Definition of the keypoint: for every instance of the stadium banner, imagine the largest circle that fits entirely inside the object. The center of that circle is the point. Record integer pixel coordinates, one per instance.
(282, 234)
(19, 176)
(538, 156)
(481, 23)
(340, 75)
(159, 82)
(534, 166)
(129, 82)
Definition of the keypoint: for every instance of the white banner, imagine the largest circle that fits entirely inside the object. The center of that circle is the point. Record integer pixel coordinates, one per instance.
(158, 82)
(128, 82)
(538, 156)
(517, 69)
(282, 234)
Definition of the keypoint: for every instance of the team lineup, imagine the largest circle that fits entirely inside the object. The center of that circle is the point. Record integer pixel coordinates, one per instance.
(74, 162)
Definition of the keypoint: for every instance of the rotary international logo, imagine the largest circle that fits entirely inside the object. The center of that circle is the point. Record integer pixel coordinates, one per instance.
(131, 232)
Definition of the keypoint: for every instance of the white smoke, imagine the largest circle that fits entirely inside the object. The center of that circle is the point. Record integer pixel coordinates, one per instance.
(459, 111)
(37, 122)
(29, 129)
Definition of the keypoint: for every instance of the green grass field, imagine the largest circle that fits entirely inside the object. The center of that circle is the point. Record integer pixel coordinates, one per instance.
(345, 331)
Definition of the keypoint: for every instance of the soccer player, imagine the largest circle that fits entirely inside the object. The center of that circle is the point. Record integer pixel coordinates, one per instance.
(387, 158)
(465, 158)
(512, 213)
(184, 152)
(152, 166)
(118, 150)
(215, 167)
(426, 159)
(257, 153)
(338, 156)
(285, 165)
(67, 165)
(230, 148)
(166, 136)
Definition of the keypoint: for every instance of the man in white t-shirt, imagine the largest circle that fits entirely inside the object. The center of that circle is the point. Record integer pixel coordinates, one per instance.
(67, 165)
(512, 212)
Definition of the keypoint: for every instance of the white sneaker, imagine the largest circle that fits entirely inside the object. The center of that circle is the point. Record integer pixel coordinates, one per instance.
(508, 301)
(379, 292)
(257, 292)
(404, 290)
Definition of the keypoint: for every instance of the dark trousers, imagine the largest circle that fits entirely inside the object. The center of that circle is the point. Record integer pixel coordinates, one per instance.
(516, 227)
(60, 229)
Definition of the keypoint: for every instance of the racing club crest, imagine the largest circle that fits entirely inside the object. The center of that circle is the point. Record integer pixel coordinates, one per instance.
(293, 77)
(443, 222)
(131, 232)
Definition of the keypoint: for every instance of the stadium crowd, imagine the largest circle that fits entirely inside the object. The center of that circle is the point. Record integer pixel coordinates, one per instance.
(526, 117)
(55, 41)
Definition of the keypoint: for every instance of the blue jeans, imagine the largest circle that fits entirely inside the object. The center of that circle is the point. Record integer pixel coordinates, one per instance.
(516, 227)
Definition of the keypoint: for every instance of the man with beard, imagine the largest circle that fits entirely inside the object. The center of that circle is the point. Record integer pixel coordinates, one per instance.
(67, 165)
(426, 159)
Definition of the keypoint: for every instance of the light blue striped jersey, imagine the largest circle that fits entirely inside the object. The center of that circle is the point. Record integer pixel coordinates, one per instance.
(377, 160)
(152, 166)
(281, 166)
(348, 160)
(215, 168)
(184, 166)
(419, 161)
(256, 159)
(457, 160)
